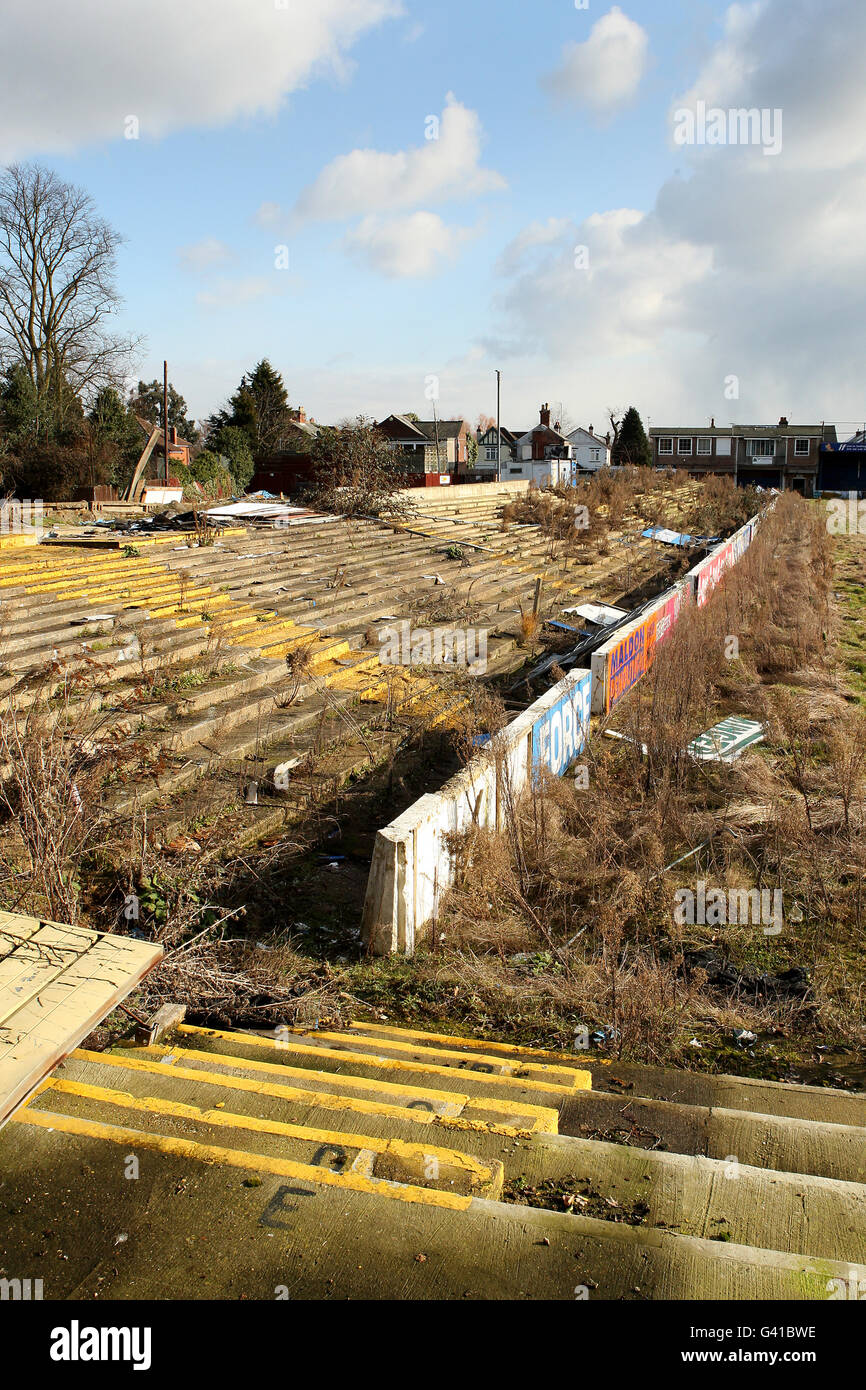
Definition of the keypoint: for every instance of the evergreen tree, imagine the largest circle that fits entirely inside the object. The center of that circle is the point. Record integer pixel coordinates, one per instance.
(234, 449)
(259, 407)
(631, 446)
(30, 416)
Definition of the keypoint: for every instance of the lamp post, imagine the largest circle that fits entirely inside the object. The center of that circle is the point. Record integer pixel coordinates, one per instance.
(498, 431)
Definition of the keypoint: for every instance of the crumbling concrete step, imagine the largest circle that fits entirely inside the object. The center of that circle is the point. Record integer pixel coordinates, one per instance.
(406, 1163)
(307, 1096)
(266, 733)
(661, 1083)
(759, 1141)
(269, 1230)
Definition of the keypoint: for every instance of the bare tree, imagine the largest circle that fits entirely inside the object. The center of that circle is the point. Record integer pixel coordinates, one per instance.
(57, 290)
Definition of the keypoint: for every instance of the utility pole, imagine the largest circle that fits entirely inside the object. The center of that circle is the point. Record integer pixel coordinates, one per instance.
(165, 418)
(436, 431)
(498, 431)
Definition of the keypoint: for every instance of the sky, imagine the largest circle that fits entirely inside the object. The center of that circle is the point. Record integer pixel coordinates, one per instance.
(390, 199)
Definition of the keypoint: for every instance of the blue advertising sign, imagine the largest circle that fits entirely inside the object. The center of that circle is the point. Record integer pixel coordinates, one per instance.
(559, 733)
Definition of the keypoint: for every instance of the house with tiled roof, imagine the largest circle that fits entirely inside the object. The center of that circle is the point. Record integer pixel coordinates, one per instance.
(591, 451)
(543, 454)
(779, 456)
(429, 449)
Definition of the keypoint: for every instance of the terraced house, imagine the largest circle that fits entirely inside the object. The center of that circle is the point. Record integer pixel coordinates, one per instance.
(782, 456)
(432, 451)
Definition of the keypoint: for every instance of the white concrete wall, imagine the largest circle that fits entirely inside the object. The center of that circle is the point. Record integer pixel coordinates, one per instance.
(458, 492)
(412, 868)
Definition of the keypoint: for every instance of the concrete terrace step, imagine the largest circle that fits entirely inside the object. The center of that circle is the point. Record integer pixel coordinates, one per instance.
(661, 1083)
(295, 1147)
(271, 1224)
(298, 1152)
(699, 1197)
(272, 1056)
(783, 1142)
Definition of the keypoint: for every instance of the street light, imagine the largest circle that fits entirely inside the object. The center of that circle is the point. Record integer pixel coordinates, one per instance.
(498, 431)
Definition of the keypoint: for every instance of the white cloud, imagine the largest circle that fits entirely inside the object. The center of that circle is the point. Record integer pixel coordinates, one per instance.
(204, 255)
(74, 73)
(231, 294)
(269, 215)
(801, 59)
(371, 181)
(605, 71)
(745, 266)
(537, 234)
(405, 247)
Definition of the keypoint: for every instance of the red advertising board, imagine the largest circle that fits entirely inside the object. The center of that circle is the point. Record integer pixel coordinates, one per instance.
(632, 655)
(711, 570)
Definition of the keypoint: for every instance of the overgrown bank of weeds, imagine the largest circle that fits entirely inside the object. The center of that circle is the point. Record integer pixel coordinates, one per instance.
(565, 922)
(587, 514)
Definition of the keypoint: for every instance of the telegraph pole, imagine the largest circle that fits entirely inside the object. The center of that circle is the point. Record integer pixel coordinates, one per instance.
(165, 418)
(498, 431)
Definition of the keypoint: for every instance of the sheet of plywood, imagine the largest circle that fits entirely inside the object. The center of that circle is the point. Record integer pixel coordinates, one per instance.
(56, 984)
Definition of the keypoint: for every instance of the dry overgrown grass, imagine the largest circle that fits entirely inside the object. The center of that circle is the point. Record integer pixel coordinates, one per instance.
(580, 884)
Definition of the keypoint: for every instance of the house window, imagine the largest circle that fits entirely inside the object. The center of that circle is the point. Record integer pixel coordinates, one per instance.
(491, 453)
(595, 455)
(666, 445)
(801, 447)
(723, 446)
(515, 470)
(705, 446)
(761, 448)
(684, 446)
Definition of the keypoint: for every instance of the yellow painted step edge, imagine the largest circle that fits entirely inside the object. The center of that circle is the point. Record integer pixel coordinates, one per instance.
(545, 1118)
(335, 1056)
(236, 1158)
(468, 1164)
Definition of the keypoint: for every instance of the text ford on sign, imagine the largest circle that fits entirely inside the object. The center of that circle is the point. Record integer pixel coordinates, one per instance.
(559, 734)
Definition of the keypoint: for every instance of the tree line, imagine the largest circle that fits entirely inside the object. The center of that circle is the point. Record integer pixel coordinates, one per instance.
(67, 416)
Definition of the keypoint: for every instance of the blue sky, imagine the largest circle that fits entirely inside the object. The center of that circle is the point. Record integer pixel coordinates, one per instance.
(265, 126)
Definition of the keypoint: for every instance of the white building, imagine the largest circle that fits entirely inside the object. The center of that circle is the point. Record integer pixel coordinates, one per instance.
(590, 451)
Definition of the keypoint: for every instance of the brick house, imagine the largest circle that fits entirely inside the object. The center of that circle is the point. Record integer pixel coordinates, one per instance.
(429, 449)
(543, 454)
(291, 464)
(781, 456)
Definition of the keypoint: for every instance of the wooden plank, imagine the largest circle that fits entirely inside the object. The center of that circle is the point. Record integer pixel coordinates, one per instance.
(56, 984)
(142, 464)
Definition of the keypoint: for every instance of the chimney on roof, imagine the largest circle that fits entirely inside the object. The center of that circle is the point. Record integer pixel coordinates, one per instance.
(299, 415)
(712, 422)
(783, 422)
(544, 415)
(556, 426)
(590, 429)
(173, 434)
